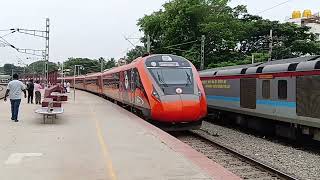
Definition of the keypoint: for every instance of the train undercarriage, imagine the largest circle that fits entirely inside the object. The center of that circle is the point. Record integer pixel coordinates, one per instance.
(265, 126)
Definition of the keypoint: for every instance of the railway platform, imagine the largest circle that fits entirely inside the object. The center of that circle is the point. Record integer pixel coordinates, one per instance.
(95, 139)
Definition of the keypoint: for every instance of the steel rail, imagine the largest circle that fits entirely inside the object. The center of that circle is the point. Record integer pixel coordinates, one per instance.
(253, 161)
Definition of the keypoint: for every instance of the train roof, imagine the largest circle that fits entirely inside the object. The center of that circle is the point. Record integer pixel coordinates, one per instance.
(93, 74)
(227, 69)
(292, 60)
(283, 65)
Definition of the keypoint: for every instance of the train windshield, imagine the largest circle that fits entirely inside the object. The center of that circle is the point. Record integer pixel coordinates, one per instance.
(172, 76)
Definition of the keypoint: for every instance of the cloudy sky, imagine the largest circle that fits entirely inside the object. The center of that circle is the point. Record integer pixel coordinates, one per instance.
(96, 28)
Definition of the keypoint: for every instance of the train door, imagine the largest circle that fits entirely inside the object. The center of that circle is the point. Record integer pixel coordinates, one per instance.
(125, 92)
(248, 95)
(120, 89)
(99, 84)
(132, 87)
(308, 96)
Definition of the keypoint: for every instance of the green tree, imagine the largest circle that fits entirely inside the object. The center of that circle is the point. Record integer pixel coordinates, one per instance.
(232, 35)
(135, 53)
(7, 68)
(102, 62)
(38, 67)
(89, 65)
(110, 63)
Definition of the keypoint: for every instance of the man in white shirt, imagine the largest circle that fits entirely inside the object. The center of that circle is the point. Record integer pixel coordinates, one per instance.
(14, 91)
(68, 87)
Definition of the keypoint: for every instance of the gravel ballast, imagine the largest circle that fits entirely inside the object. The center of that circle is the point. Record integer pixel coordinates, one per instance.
(305, 165)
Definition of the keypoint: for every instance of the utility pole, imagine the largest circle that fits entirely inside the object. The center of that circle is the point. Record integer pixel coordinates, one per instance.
(62, 73)
(148, 44)
(36, 52)
(102, 64)
(203, 38)
(46, 55)
(270, 45)
(252, 58)
(74, 79)
(74, 82)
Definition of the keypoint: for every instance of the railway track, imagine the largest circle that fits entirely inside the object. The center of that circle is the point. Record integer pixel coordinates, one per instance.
(243, 166)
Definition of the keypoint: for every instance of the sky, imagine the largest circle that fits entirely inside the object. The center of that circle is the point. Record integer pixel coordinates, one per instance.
(97, 28)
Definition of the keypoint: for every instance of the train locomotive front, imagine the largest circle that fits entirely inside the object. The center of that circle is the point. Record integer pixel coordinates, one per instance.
(165, 89)
(176, 94)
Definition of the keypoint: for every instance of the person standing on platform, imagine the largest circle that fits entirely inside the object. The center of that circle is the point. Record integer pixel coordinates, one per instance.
(65, 86)
(68, 87)
(14, 91)
(37, 92)
(30, 88)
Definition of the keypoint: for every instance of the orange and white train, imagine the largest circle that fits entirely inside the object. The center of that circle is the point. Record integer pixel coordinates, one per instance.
(165, 89)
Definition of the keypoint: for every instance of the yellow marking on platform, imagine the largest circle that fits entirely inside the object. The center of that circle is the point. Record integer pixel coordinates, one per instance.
(104, 148)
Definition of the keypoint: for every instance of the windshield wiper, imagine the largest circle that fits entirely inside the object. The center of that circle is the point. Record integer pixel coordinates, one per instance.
(161, 80)
(188, 79)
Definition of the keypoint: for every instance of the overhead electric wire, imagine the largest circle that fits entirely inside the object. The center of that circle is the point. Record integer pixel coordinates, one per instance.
(6, 42)
(181, 44)
(7, 34)
(181, 50)
(5, 29)
(277, 5)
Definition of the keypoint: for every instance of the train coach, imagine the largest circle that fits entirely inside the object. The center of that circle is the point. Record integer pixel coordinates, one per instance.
(164, 89)
(281, 97)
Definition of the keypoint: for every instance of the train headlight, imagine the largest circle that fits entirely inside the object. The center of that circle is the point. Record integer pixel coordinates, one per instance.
(199, 93)
(155, 94)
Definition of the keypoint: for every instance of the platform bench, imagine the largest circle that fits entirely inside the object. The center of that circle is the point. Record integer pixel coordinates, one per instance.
(47, 113)
(46, 101)
(55, 88)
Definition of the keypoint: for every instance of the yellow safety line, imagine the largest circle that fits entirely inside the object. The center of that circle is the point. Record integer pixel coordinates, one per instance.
(104, 148)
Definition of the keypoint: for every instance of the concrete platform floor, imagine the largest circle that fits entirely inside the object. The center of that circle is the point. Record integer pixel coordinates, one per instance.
(93, 140)
(2, 91)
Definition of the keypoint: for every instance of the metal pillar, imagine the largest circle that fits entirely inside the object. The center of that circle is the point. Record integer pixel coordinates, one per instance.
(46, 55)
(270, 45)
(203, 38)
(102, 64)
(148, 44)
(74, 82)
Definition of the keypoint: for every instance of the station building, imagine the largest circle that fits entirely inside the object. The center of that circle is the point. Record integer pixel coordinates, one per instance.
(306, 18)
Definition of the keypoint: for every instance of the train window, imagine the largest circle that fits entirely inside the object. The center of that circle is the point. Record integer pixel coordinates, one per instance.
(137, 79)
(266, 89)
(282, 89)
(132, 80)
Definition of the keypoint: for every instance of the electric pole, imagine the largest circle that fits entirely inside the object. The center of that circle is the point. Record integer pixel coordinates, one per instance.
(148, 44)
(36, 52)
(270, 45)
(252, 58)
(203, 38)
(62, 69)
(46, 56)
(101, 64)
